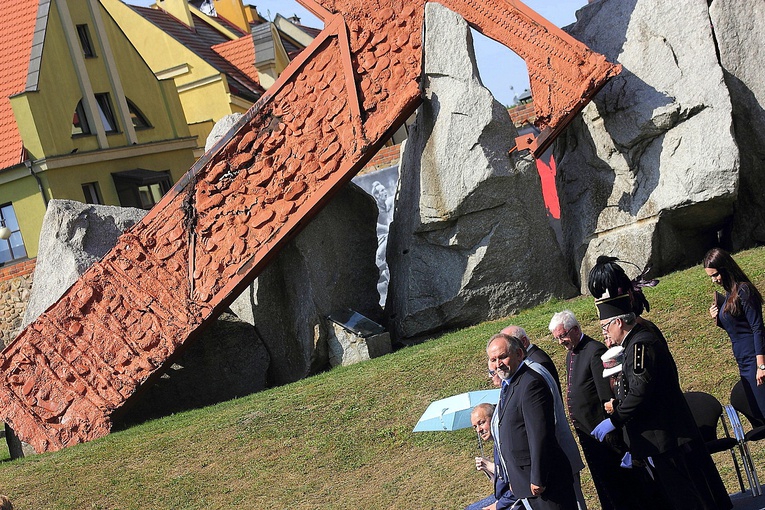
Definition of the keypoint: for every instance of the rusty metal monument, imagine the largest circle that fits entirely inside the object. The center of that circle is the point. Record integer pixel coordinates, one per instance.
(66, 376)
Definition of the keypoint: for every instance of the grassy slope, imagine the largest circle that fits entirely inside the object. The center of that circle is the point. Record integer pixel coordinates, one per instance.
(343, 439)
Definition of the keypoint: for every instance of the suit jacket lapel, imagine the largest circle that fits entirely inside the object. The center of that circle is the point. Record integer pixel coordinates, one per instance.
(510, 389)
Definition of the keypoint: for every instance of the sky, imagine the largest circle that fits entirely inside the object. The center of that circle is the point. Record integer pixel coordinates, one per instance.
(502, 71)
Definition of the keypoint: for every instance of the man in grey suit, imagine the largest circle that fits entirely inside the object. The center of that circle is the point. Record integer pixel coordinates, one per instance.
(524, 430)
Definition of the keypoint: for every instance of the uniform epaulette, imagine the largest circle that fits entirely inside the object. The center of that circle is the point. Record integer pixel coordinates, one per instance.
(639, 358)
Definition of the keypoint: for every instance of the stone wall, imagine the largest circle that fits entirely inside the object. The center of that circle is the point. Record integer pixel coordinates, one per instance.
(15, 285)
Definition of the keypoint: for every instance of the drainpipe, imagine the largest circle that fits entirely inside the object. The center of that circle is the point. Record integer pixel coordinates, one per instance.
(28, 164)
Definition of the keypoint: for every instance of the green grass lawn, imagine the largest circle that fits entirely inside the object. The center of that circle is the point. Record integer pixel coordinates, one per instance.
(343, 439)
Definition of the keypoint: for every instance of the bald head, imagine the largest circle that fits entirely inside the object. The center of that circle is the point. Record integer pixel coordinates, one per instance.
(484, 409)
(519, 333)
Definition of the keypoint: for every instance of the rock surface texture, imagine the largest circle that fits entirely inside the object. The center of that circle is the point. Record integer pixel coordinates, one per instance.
(740, 40)
(470, 240)
(73, 236)
(650, 172)
(14, 297)
(228, 361)
(330, 265)
(220, 129)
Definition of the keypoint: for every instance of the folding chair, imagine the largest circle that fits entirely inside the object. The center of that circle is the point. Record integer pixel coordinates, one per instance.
(739, 403)
(707, 413)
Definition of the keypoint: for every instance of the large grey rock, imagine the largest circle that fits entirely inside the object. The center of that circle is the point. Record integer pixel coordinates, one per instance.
(72, 237)
(329, 266)
(348, 348)
(220, 129)
(649, 173)
(470, 239)
(228, 359)
(741, 44)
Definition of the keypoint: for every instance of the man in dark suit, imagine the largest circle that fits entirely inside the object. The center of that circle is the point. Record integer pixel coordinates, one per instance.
(533, 351)
(586, 392)
(523, 427)
(655, 415)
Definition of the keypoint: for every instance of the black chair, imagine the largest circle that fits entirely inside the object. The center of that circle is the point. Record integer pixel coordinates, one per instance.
(708, 412)
(740, 404)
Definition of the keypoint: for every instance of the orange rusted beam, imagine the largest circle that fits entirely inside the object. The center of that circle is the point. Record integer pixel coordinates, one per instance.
(67, 375)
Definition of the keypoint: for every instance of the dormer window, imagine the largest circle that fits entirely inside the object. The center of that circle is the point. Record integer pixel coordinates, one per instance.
(85, 43)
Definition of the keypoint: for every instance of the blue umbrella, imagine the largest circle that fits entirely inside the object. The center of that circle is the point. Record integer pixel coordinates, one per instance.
(453, 413)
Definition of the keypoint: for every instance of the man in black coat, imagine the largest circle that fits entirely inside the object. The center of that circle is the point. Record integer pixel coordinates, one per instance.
(655, 415)
(534, 352)
(586, 392)
(523, 427)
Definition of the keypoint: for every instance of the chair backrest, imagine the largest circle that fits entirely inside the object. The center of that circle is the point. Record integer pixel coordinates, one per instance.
(706, 410)
(740, 402)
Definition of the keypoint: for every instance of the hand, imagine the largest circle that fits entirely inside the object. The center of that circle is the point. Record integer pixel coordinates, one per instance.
(627, 461)
(493, 506)
(713, 311)
(760, 377)
(609, 406)
(602, 429)
(537, 490)
(485, 465)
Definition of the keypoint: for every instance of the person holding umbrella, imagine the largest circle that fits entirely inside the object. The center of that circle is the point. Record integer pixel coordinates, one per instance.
(503, 498)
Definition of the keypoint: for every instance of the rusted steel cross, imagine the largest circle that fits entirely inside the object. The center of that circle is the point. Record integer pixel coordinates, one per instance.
(63, 379)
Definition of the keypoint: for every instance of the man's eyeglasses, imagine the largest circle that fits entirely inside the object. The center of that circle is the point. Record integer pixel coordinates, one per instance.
(564, 335)
(604, 327)
(492, 372)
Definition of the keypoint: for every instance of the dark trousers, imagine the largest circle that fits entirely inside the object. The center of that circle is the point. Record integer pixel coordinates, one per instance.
(618, 488)
(691, 479)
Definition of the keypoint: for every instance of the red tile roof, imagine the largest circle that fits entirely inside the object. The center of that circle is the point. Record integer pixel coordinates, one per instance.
(241, 54)
(16, 33)
(313, 32)
(200, 40)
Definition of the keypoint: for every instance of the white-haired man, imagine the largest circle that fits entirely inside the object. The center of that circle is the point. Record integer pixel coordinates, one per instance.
(586, 392)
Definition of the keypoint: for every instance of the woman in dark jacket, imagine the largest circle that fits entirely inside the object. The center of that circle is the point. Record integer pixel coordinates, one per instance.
(739, 313)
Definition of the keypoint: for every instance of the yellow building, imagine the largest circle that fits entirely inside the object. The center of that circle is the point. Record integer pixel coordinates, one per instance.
(82, 117)
(221, 60)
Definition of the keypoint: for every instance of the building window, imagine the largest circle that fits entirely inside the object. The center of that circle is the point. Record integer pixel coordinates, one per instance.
(87, 46)
(80, 121)
(138, 118)
(151, 194)
(92, 193)
(12, 248)
(80, 125)
(141, 188)
(106, 112)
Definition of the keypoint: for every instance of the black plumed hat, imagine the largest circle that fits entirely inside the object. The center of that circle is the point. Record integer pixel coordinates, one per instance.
(608, 278)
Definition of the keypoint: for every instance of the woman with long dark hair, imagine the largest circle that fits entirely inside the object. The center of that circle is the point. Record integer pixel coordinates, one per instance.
(739, 313)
